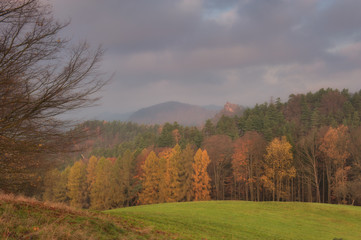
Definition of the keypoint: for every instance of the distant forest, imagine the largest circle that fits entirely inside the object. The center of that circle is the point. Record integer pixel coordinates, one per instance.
(306, 149)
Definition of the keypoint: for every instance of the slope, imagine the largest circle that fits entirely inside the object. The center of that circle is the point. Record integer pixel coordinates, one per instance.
(23, 218)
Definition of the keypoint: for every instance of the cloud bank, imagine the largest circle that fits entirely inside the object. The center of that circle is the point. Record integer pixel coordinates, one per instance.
(213, 51)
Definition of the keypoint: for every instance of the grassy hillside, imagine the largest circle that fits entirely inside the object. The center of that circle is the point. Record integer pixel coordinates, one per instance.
(250, 220)
(22, 218)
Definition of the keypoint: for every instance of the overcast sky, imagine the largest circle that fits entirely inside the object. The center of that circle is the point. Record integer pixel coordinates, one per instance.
(212, 51)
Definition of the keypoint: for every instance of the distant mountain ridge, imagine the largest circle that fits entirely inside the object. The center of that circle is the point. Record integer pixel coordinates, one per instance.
(172, 111)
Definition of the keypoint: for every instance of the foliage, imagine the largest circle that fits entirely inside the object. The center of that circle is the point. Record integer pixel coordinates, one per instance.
(77, 187)
(278, 168)
(201, 180)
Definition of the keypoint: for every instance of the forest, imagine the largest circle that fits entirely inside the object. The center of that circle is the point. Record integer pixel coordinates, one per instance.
(307, 149)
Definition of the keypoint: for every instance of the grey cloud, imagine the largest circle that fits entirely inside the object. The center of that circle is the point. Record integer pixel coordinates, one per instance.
(163, 50)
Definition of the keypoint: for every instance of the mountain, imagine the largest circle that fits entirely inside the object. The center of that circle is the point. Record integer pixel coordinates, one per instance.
(184, 114)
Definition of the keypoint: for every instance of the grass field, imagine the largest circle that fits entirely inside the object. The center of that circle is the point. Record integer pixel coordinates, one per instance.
(250, 220)
(22, 218)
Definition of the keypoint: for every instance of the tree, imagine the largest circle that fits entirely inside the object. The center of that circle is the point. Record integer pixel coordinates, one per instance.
(308, 151)
(41, 77)
(102, 192)
(78, 192)
(168, 173)
(150, 180)
(166, 138)
(91, 172)
(220, 149)
(208, 129)
(201, 187)
(227, 126)
(185, 171)
(126, 173)
(247, 161)
(278, 168)
(355, 173)
(55, 184)
(335, 147)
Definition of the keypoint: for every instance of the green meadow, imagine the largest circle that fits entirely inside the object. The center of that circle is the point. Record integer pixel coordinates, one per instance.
(249, 220)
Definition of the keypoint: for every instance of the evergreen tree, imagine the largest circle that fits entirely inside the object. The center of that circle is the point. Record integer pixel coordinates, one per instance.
(208, 129)
(227, 126)
(127, 171)
(166, 138)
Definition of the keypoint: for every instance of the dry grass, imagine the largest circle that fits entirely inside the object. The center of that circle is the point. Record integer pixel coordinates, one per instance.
(27, 218)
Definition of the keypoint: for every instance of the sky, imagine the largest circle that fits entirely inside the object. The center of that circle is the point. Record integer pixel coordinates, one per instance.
(212, 51)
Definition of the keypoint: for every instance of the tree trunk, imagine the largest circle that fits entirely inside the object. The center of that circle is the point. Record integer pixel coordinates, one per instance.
(328, 175)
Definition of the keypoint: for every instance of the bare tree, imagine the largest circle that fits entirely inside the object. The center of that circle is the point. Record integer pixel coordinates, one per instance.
(41, 77)
(308, 151)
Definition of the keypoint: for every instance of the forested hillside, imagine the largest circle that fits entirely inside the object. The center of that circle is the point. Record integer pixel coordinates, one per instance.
(306, 149)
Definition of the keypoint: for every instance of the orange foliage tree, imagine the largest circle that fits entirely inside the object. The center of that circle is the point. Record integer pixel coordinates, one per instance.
(246, 162)
(335, 147)
(150, 180)
(200, 176)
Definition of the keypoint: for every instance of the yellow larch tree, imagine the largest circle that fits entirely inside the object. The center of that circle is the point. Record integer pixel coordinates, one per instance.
(200, 176)
(77, 188)
(150, 180)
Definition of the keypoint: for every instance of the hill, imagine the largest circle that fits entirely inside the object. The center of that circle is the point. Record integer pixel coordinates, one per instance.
(23, 218)
(250, 220)
(184, 114)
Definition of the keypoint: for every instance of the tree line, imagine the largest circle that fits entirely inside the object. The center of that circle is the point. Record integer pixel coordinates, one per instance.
(103, 183)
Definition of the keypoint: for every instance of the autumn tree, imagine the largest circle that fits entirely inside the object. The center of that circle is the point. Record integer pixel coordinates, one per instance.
(55, 185)
(247, 162)
(278, 168)
(169, 183)
(102, 192)
(201, 180)
(77, 187)
(355, 171)
(41, 77)
(335, 147)
(91, 172)
(150, 180)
